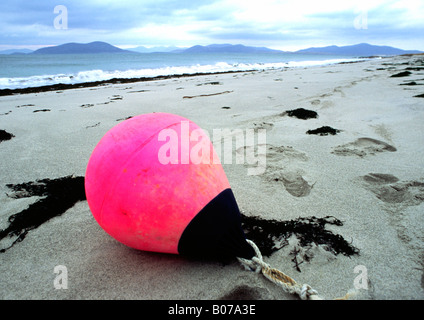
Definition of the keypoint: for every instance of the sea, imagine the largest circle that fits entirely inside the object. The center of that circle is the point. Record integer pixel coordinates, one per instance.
(35, 70)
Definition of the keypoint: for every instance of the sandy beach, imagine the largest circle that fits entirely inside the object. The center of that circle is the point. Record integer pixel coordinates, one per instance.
(351, 171)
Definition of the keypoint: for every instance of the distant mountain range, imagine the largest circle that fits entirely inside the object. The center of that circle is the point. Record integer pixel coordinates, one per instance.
(362, 49)
(16, 51)
(142, 49)
(76, 48)
(228, 48)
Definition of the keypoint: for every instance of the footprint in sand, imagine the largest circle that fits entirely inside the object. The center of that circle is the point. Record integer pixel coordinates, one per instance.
(245, 292)
(280, 168)
(389, 189)
(277, 155)
(363, 147)
(295, 184)
(395, 196)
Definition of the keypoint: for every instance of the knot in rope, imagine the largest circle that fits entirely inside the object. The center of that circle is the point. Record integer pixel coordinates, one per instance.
(306, 292)
(256, 264)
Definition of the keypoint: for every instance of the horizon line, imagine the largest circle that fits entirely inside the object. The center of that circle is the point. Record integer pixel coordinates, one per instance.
(129, 47)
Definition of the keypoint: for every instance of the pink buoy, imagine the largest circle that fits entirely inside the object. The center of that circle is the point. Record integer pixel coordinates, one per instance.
(154, 183)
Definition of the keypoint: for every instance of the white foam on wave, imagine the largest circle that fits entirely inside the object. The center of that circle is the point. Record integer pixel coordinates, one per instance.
(101, 75)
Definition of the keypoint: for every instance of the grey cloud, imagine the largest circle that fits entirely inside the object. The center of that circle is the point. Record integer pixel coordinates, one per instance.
(23, 21)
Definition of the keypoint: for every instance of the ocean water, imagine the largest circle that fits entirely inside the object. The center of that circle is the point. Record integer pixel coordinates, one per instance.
(32, 70)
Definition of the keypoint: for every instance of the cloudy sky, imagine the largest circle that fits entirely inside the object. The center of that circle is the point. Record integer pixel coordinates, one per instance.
(285, 25)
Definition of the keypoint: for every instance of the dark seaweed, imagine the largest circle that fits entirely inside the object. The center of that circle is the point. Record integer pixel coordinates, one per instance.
(323, 131)
(57, 196)
(272, 235)
(415, 68)
(4, 135)
(61, 86)
(213, 83)
(123, 119)
(401, 74)
(303, 114)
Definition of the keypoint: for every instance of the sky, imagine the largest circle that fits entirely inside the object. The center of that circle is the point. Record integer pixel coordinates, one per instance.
(286, 25)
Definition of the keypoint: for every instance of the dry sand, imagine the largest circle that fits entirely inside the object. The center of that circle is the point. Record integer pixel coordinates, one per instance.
(369, 176)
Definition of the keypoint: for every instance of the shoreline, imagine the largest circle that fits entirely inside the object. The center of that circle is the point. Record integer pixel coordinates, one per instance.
(91, 84)
(63, 86)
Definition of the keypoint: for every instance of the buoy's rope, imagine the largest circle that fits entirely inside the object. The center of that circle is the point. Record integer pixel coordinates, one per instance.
(257, 264)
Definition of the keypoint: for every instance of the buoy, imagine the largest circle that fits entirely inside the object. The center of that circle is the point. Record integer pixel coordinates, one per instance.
(154, 182)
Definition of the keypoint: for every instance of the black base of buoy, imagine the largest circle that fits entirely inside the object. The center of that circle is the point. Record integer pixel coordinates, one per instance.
(215, 232)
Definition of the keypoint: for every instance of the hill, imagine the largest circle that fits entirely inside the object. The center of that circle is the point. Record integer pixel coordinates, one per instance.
(227, 48)
(142, 49)
(362, 49)
(76, 48)
(16, 51)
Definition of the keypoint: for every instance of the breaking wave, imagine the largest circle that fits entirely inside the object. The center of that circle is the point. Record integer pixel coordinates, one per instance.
(102, 75)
